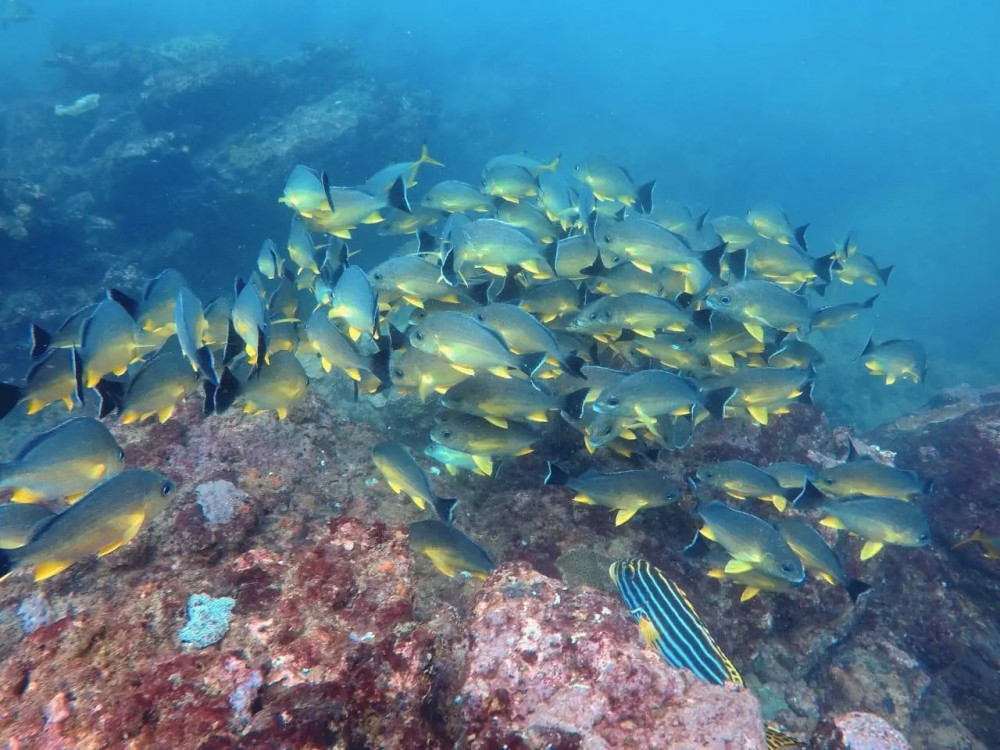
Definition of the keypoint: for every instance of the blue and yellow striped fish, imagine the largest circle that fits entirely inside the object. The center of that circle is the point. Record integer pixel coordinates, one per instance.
(667, 621)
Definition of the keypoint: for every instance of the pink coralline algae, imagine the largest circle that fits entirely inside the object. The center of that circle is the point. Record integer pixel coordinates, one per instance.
(863, 731)
(556, 667)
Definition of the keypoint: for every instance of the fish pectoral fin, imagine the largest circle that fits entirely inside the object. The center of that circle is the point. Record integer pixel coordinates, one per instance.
(327, 364)
(707, 533)
(646, 332)
(586, 500)
(738, 566)
(453, 470)
(779, 502)
(759, 414)
(130, 526)
(50, 568)
(415, 301)
(165, 413)
(828, 578)
(425, 389)
(650, 635)
(500, 371)
(871, 549)
(716, 573)
(723, 358)
(484, 464)
(525, 451)
(441, 562)
(74, 497)
(756, 330)
(496, 270)
(465, 370)
(498, 421)
(538, 416)
(749, 593)
(419, 502)
(642, 266)
(282, 412)
(353, 373)
(832, 522)
(26, 495)
(624, 514)
(890, 379)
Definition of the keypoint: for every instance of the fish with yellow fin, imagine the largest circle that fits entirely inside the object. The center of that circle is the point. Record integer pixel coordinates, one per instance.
(109, 343)
(104, 519)
(275, 386)
(405, 476)
(990, 544)
(626, 492)
(482, 439)
(818, 557)
(153, 391)
(63, 462)
(896, 360)
(55, 377)
(741, 480)
(450, 550)
(384, 178)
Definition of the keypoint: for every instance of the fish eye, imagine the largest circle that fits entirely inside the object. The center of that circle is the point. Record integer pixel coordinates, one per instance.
(612, 401)
(121, 454)
(592, 316)
(826, 480)
(787, 567)
(446, 434)
(608, 239)
(616, 259)
(479, 316)
(377, 276)
(725, 299)
(398, 374)
(924, 537)
(418, 335)
(166, 488)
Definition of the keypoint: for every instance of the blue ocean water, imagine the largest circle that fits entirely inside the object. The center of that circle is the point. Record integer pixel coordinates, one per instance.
(879, 118)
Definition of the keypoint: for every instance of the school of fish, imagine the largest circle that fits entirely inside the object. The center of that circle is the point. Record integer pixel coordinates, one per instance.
(537, 300)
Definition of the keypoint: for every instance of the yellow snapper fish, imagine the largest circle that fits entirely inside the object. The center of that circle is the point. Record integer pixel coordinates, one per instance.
(304, 192)
(455, 461)
(990, 544)
(551, 299)
(470, 346)
(649, 394)
(66, 336)
(405, 476)
(349, 207)
(193, 334)
(762, 305)
(110, 342)
(384, 178)
(734, 231)
(336, 350)
(771, 222)
(523, 333)
(450, 551)
(156, 306)
(752, 542)
(626, 492)
(895, 360)
(154, 390)
(250, 320)
(611, 182)
(276, 385)
(817, 557)
(558, 200)
(355, 303)
(644, 314)
(574, 256)
(764, 391)
(55, 377)
(790, 475)
(534, 166)
(493, 246)
(301, 248)
(104, 519)
(863, 476)
(528, 218)
(832, 316)
(852, 267)
(18, 520)
(509, 182)
(741, 480)
(453, 196)
(753, 580)
(653, 248)
(413, 370)
(414, 278)
(786, 265)
(270, 262)
(877, 520)
(62, 463)
(499, 400)
(477, 436)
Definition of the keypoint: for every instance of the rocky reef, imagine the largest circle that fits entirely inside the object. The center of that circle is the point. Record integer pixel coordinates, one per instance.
(337, 637)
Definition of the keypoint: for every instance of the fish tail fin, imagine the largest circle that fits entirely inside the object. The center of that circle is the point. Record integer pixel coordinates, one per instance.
(205, 361)
(529, 363)
(806, 397)
(573, 403)
(218, 398)
(448, 271)
(8, 561)
(426, 158)
(856, 588)
(553, 165)
(555, 475)
(712, 259)
(737, 262)
(597, 268)
(716, 400)
(325, 179)
(644, 197)
(883, 273)
(699, 223)
(110, 397)
(445, 506)
(869, 303)
(811, 497)
(397, 196)
(39, 340)
(869, 347)
(975, 536)
(698, 547)
(10, 395)
(800, 235)
(130, 304)
(823, 266)
(573, 365)
(77, 359)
